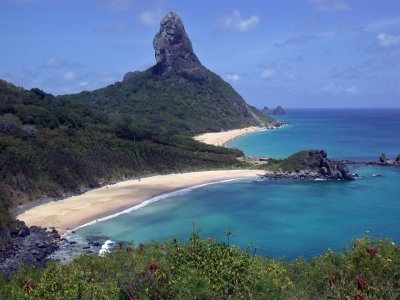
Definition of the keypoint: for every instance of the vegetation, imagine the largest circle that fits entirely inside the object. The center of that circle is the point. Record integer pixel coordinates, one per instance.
(174, 103)
(205, 269)
(52, 145)
(298, 161)
(5, 218)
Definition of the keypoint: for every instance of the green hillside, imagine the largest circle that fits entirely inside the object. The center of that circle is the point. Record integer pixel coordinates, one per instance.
(53, 145)
(174, 103)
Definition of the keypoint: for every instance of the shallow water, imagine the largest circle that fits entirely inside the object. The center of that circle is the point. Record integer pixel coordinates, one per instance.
(281, 218)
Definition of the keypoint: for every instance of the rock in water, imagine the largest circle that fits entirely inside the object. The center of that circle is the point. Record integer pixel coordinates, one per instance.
(173, 49)
(382, 158)
(278, 111)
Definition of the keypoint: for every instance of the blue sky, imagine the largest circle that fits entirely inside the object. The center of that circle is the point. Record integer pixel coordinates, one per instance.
(294, 53)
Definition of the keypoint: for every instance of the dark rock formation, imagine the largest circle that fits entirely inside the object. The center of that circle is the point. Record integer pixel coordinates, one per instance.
(28, 246)
(384, 161)
(173, 49)
(278, 111)
(266, 111)
(315, 165)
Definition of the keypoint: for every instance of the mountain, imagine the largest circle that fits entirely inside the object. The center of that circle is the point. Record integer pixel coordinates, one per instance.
(51, 146)
(178, 94)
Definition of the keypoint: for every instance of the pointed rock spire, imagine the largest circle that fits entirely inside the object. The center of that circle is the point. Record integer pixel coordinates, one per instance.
(173, 49)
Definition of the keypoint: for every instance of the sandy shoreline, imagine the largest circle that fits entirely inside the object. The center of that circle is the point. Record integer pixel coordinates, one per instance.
(78, 210)
(224, 137)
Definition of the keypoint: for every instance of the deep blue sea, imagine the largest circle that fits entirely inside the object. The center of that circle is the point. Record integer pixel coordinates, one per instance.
(282, 218)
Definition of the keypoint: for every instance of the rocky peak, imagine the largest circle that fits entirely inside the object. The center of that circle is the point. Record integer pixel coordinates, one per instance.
(173, 49)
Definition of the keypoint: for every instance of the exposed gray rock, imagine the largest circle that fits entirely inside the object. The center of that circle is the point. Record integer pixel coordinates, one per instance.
(317, 166)
(174, 51)
(278, 111)
(382, 158)
(266, 111)
(30, 246)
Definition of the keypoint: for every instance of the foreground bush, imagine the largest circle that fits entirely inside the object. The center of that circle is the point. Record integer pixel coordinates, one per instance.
(205, 269)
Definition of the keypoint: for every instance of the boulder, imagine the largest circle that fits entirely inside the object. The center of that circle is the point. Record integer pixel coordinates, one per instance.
(382, 158)
(324, 171)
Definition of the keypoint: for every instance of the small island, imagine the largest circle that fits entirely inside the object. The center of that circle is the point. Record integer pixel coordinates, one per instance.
(266, 111)
(278, 111)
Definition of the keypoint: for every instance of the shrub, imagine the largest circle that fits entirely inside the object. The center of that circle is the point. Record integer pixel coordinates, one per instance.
(10, 124)
(205, 269)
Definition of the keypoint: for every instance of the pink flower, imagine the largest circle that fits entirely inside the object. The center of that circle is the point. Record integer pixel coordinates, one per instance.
(361, 283)
(372, 251)
(153, 267)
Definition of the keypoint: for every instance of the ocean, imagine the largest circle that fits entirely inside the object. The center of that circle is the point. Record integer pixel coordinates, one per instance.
(285, 218)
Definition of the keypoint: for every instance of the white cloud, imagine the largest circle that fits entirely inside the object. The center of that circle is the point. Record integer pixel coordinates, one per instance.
(20, 75)
(116, 28)
(52, 63)
(388, 40)
(69, 76)
(267, 73)
(335, 89)
(118, 5)
(353, 90)
(298, 40)
(83, 83)
(236, 22)
(233, 77)
(384, 23)
(291, 77)
(31, 1)
(108, 77)
(55, 63)
(330, 5)
(151, 17)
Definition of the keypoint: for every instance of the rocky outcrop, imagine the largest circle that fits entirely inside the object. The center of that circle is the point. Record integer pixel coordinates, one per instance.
(28, 246)
(331, 170)
(384, 161)
(174, 51)
(266, 111)
(315, 166)
(278, 111)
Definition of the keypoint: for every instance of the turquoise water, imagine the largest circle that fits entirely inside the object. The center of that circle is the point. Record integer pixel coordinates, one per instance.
(355, 134)
(281, 218)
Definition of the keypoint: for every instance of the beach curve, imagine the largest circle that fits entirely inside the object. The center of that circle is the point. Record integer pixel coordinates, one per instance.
(75, 211)
(224, 137)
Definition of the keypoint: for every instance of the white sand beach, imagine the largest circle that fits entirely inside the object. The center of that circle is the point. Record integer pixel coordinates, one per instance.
(224, 137)
(75, 211)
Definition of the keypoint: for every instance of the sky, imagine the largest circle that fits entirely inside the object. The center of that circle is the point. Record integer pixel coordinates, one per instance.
(294, 53)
